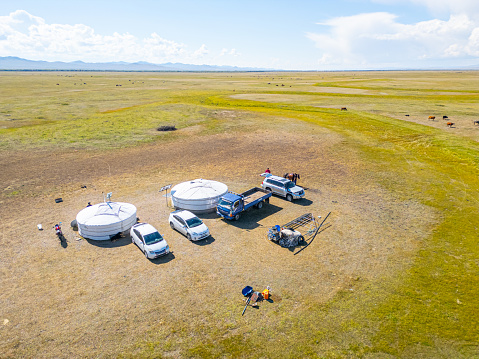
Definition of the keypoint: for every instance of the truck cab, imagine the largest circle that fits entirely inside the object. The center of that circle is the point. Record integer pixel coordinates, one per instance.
(230, 206)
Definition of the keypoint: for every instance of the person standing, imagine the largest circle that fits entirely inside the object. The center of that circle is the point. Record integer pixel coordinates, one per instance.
(267, 171)
(295, 177)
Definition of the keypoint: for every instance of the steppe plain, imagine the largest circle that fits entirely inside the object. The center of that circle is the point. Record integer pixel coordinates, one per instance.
(393, 274)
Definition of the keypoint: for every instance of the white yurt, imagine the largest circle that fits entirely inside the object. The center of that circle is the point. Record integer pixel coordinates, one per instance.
(104, 220)
(198, 196)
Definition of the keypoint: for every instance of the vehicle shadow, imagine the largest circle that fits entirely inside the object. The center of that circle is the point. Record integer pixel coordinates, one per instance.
(303, 202)
(204, 242)
(164, 259)
(249, 219)
(209, 215)
(63, 241)
(112, 243)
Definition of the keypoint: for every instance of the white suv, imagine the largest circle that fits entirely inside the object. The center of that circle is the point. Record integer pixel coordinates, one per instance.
(282, 187)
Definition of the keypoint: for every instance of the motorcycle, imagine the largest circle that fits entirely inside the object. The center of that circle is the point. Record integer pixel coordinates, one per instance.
(58, 231)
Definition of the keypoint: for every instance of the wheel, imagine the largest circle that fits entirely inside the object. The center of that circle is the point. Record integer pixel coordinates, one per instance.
(146, 254)
(132, 240)
(268, 189)
(289, 197)
(172, 225)
(188, 236)
(300, 239)
(237, 216)
(260, 205)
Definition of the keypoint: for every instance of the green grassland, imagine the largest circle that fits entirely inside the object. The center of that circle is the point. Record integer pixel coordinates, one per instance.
(428, 310)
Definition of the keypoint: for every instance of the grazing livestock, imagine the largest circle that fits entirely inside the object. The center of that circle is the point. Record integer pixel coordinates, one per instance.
(475, 122)
(344, 109)
(445, 117)
(406, 115)
(450, 124)
(292, 177)
(432, 118)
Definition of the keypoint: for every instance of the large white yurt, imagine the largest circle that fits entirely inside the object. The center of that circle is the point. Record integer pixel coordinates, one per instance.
(104, 220)
(198, 196)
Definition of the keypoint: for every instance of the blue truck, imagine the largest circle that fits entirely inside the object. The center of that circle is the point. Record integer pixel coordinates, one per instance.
(232, 204)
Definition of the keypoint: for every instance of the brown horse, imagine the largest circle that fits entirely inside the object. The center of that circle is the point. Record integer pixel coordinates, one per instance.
(292, 177)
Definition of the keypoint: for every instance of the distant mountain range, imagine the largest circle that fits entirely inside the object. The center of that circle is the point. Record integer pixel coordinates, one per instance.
(11, 63)
(16, 64)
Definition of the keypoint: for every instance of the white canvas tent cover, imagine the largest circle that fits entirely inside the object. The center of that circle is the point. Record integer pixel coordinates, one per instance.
(104, 220)
(198, 196)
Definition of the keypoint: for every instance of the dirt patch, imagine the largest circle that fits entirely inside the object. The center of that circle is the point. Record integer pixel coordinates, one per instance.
(101, 297)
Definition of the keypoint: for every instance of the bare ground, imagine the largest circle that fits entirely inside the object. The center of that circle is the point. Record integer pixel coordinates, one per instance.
(100, 299)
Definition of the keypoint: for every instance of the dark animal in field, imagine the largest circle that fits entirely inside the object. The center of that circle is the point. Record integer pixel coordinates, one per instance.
(475, 122)
(166, 128)
(406, 115)
(445, 117)
(344, 109)
(450, 124)
(431, 118)
(292, 177)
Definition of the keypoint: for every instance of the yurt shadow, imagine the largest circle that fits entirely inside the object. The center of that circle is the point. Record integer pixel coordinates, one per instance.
(112, 243)
(162, 260)
(210, 215)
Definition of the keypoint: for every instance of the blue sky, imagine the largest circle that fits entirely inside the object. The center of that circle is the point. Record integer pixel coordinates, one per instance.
(289, 35)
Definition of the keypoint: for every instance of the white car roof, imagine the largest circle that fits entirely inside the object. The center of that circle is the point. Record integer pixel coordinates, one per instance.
(144, 228)
(277, 178)
(183, 213)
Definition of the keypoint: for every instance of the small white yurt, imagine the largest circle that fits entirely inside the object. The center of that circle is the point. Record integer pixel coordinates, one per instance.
(198, 196)
(104, 220)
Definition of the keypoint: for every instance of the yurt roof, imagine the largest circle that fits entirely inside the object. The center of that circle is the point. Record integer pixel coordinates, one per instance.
(199, 189)
(106, 213)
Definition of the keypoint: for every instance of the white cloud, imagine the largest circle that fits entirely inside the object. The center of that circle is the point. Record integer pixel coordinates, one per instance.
(470, 7)
(231, 52)
(28, 36)
(472, 46)
(378, 38)
(201, 52)
(441, 7)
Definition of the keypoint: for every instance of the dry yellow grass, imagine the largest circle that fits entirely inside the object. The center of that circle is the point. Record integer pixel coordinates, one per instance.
(103, 300)
(383, 185)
